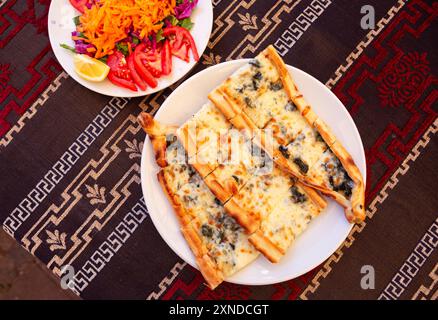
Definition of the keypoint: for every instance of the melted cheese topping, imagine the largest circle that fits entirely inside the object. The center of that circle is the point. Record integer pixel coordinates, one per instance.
(287, 123)
(261, 193)
(305, 150)
(205, 128)
(226, 242)
(289, 218)
(329, 172)
(242, 161)
(257, 87)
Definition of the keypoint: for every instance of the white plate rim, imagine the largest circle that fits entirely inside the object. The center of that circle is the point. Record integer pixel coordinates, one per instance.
(149, 202)
(125, 93)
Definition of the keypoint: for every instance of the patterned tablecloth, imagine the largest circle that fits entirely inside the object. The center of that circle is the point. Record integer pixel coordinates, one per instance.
(70, 158)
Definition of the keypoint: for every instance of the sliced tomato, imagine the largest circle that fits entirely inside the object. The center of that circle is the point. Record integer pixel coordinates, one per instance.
(182, 52)
(135, 76)
(153, 64)
(166, 58)
(120, 74)
(146, 61)
(80, 5)
(121, 82)
(181, 35)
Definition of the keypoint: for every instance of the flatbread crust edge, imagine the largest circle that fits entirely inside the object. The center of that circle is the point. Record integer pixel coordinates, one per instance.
(244, 218)
(354, 208)
(272, 252)
(208, 268)
(355, 212)
(157, 134)
(266, 247)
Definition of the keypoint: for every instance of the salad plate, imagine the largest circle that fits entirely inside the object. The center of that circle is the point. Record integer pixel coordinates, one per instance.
(326, 232)
(61, 25)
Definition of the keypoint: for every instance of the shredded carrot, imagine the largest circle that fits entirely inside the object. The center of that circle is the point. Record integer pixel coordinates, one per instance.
(109, 21)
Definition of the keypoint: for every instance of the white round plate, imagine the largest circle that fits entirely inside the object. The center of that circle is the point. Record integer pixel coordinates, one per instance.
(60, 24)
(324, 234)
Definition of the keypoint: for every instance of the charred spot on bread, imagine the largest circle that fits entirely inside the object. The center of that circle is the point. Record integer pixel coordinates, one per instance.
(248, 102)
(297, 196)
(304, 167)
(207, 231)
(284, 151)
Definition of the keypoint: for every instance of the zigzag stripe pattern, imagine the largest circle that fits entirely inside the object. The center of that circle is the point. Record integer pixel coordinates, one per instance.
(363, 44)
(426, 292)
(104, 253)
(167, 281)
(61, 167)
(296, 29)
(4, 141)
(372, 209)
(412, 265)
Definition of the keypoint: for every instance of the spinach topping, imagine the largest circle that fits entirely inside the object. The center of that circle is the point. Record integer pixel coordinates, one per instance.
(297, 196)
(290, 106)
(346, 186)
(248, 102)
(319, 137)
(207, 231)
(255, 63)
(217, 201)
(192, 171)
(258, 76)
(170, 139)
(275, 86)
(284, 151)
(304, 167)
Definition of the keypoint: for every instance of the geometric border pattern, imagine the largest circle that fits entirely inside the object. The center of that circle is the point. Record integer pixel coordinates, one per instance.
(296, 29)
(412, 265)
(61, 167)
(364, 43)
(8, 137)
(167, 281)
(426, 292)
(372, 209)
(102, 256)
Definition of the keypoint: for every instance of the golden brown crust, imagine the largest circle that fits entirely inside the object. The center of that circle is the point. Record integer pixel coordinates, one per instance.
(153, 127)
(217, 188)
(187, 140)
(181, 213)
(159, 147)
(325, 132)
(286, 166)
(208, 268)
(314, 195)
(224, 104)
(266, 247)
(354, 209)
(189, 143)
(243, 122)
(247, 220)
(158, 135)
(203, 169)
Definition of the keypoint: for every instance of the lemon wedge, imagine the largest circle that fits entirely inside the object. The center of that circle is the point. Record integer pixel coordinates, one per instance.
(89, 68)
